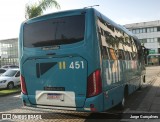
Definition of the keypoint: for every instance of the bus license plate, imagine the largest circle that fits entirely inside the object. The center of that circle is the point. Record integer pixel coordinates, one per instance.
(54, 96)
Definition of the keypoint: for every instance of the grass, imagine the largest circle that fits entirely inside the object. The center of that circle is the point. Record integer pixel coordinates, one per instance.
(4, 92)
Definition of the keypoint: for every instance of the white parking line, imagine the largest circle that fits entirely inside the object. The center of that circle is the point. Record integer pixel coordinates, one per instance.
(19, 96)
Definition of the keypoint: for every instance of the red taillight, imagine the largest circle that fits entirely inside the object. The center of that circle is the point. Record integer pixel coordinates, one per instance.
(94, 84)
(23, 85)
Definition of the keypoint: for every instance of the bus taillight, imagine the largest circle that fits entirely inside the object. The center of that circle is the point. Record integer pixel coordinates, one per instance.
(94, 84)
(23, 85)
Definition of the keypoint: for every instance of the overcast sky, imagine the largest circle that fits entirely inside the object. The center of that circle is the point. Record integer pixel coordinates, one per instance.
(120, 11)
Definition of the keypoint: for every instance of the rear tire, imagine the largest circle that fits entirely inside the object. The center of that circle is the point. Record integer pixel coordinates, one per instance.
(144, 79)
(122, 104)
(10, 85)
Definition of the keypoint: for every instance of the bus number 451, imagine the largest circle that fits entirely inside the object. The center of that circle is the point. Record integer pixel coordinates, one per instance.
(77, 65)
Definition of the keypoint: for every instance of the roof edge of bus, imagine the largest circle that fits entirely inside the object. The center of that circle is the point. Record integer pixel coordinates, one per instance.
(57, 12)
(118, 26)
(107, 19)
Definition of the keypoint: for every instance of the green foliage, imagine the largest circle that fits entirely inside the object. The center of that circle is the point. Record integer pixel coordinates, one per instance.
(37, 9)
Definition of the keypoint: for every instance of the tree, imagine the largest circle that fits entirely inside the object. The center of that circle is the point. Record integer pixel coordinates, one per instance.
(37, 9)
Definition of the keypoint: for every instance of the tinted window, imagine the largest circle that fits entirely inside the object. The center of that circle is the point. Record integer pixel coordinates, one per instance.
(121, 55)
(5, 67)
(18, 74)
(2, 70)
(134, 56)
(14, 67)
(112, 54)
(65, 30)
(127, 56)
(105, 52)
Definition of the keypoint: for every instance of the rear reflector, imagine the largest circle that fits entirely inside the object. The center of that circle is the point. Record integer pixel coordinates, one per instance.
(23, 85)
(94, 84)
(93, 109)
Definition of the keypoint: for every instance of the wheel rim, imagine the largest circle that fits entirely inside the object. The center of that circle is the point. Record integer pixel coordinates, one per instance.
(10, 86)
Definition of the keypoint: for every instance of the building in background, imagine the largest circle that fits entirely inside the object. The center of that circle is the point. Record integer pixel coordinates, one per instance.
(9, 51)
(149, 35)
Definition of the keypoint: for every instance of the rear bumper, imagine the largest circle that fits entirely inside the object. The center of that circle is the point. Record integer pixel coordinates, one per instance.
(93, 104)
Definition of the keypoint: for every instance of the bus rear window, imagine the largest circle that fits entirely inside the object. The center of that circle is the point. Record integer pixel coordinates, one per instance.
(57, 31)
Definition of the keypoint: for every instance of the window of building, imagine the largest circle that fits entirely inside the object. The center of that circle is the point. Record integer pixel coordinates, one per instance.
(158, 28)
(148, 30)
(158, 40)
(144, 30)
(130, 30)
(144, 40)
(151, 40)
(137, 31)
(155, 29)
(134, 31)
(141, 30)
(151, 29)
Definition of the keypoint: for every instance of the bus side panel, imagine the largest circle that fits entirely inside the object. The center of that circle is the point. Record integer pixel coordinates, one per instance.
(128, 72)
(133, 76)
(94, 104)
(133, 85)
(113, 96)
(113, 82)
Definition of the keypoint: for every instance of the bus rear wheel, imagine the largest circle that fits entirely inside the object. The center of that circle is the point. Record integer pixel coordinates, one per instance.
(144, 79)
(122, 104)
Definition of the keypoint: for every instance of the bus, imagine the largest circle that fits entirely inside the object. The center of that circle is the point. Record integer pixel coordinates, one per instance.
(78, 60)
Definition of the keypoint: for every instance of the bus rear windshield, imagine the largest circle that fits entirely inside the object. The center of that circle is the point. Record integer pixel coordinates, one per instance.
(57, 31)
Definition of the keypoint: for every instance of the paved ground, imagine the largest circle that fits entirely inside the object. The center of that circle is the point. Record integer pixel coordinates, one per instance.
(144, 100)
(151, 73)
